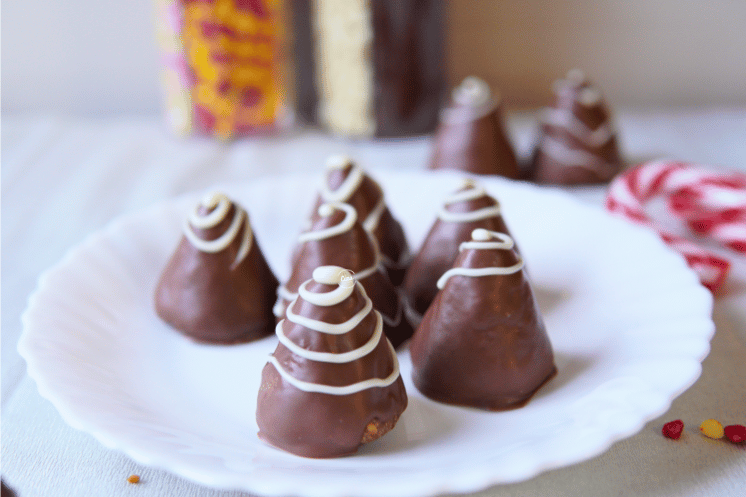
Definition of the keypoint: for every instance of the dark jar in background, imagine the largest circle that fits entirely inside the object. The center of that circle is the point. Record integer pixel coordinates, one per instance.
(368, 68)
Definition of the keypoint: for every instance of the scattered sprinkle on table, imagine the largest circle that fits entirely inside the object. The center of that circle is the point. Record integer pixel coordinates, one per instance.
(711, 428)
(735, 433)
(673, 429)
(133, 479)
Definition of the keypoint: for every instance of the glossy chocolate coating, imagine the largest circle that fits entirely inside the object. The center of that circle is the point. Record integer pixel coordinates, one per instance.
(407, 65)
(388, 232)
(200, 295)
(606, 160)
(355, 251)
(322, 425)
(440, 250)
(482, 342)
(473, 139)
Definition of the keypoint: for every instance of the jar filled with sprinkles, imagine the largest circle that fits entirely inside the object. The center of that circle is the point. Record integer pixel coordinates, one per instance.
(223, 68)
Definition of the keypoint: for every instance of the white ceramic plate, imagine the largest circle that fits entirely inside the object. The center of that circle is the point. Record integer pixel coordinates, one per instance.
(628, 321)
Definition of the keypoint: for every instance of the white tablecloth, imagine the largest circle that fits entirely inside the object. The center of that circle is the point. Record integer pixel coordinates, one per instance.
(64, 178)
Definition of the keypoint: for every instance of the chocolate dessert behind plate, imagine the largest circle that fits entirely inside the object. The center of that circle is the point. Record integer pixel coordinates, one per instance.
(471, 135)
(577, 142)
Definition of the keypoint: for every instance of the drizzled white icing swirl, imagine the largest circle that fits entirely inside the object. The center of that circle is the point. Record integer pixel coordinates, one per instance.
(471, 193)
(482, 240)
(340, 358)
(219, 205)
(329, 275)
(371, 222)
(472, 91)
(334, 275)
(326, 210)
(577, 128)
(351, 183)
(328, 328)
(349, 186)
(343, 390)
(475, 93)
(574, 157)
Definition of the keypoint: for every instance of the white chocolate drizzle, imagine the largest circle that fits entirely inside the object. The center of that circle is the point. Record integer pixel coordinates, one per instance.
(482, 240)
(220, 205)
(570, 157)
(331, 275)
(472, 192)
(577, 128)
(473, 91)
(343, 390)
(371, 222)
(326, 210)
(349, 186)
(328, 328)
(331, 357)
(589, 97)
(351, 183)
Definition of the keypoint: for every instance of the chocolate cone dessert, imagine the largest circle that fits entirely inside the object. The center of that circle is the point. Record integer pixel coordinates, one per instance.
(471, 135)
(217, 286)
(336, 238)
(464, 211)
(333, 382)
(577, 142)
(482, 342)
(346, 182)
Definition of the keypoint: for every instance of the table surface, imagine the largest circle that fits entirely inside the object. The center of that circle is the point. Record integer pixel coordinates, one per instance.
(63, 178)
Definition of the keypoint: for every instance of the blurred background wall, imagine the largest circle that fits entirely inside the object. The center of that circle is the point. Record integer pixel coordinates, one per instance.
(94, 57)
(641, 52)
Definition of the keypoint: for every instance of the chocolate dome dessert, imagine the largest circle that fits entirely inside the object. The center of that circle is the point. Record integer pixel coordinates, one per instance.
(345, 181)
(333, 382)
(577, 142)
(482, 342)
(217, 286)
(471, 135)
(464, 211)
(336, 238)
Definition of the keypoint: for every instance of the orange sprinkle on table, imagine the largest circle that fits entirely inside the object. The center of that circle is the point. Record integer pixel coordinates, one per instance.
(711, 428)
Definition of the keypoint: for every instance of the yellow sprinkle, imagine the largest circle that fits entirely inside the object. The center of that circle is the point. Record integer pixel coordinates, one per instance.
(711, 428)
(133, 479)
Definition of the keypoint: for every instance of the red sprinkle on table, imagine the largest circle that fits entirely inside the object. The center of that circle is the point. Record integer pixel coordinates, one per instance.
(736, 433)
(673, 429)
